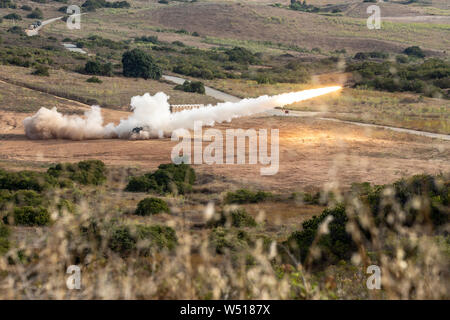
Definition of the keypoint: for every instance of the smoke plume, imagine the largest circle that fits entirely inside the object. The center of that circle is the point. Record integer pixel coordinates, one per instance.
(151, 117)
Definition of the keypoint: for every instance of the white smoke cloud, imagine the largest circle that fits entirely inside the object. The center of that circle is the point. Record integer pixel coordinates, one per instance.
(152, 114)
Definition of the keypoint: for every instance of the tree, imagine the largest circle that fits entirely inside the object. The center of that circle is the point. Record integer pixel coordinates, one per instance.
(414, 51)
(139, 64)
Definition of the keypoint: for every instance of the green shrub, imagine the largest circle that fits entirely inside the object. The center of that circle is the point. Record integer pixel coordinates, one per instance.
(149, 206)
(25, 180)
(84, 172)
(151, 39)
(242, 55)
(303, 6)
(31, 216)
(194, 86)
(433, 193)
(94, 80)
(92, 5)
(238, 218)
(246, 196)
(4, 235)
(178, 43)
(122, 241)
(141, 241)
(26, 8)
(401, 59)
(168, 178)
(5, 197)
(393, 77)
(222, 240)
(12, 16)
(136, 63)
(161, 237)
(414, 51)
(65, 205)
(336, 245)
(41, 70)
(142, 184)
(16, 30)
(28, 198)
(372, 54)
(99, 69)
(36, 14)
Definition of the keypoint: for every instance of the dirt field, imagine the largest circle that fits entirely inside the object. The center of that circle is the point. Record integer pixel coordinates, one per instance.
(313, 153)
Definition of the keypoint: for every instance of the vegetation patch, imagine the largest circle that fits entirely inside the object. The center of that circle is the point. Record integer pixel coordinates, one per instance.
(238, 218)
(4, 238)
(170, 178)
(84, 172)
(424, 78)
(192, 86)
(247, 196)
(139, 64)
(150, 206)
(31, 216)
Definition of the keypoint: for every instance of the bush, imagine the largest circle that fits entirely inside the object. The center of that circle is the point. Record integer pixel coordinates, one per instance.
(246, 196)
(151, 39)
(241, 55)
(36, 14)
(414, 51)
(137, 63)
(389, 76)
(229, 239)
(335, 245)
(92, 5)
(28, 198)
(194, 86)
(302, 6)
(94, 80)
(168, 178)
(84, 172)
(150, 206)
(433, 193)
(4, 235)
(41, 70)
(142, 240)
(238, 218)
(178, 43)
(25, 180)
(122, 241)
(65, 205)
(16, 30)
(141, 184)
(12, 16)
(372, 55)
(401, 59)
(31, 216)
(99, 69)
(26, 8)
(160, 237)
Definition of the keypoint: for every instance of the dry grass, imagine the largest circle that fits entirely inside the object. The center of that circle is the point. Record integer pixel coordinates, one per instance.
(35, 266)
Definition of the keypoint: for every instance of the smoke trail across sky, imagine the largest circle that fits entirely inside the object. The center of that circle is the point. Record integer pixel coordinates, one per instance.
(152, 114)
